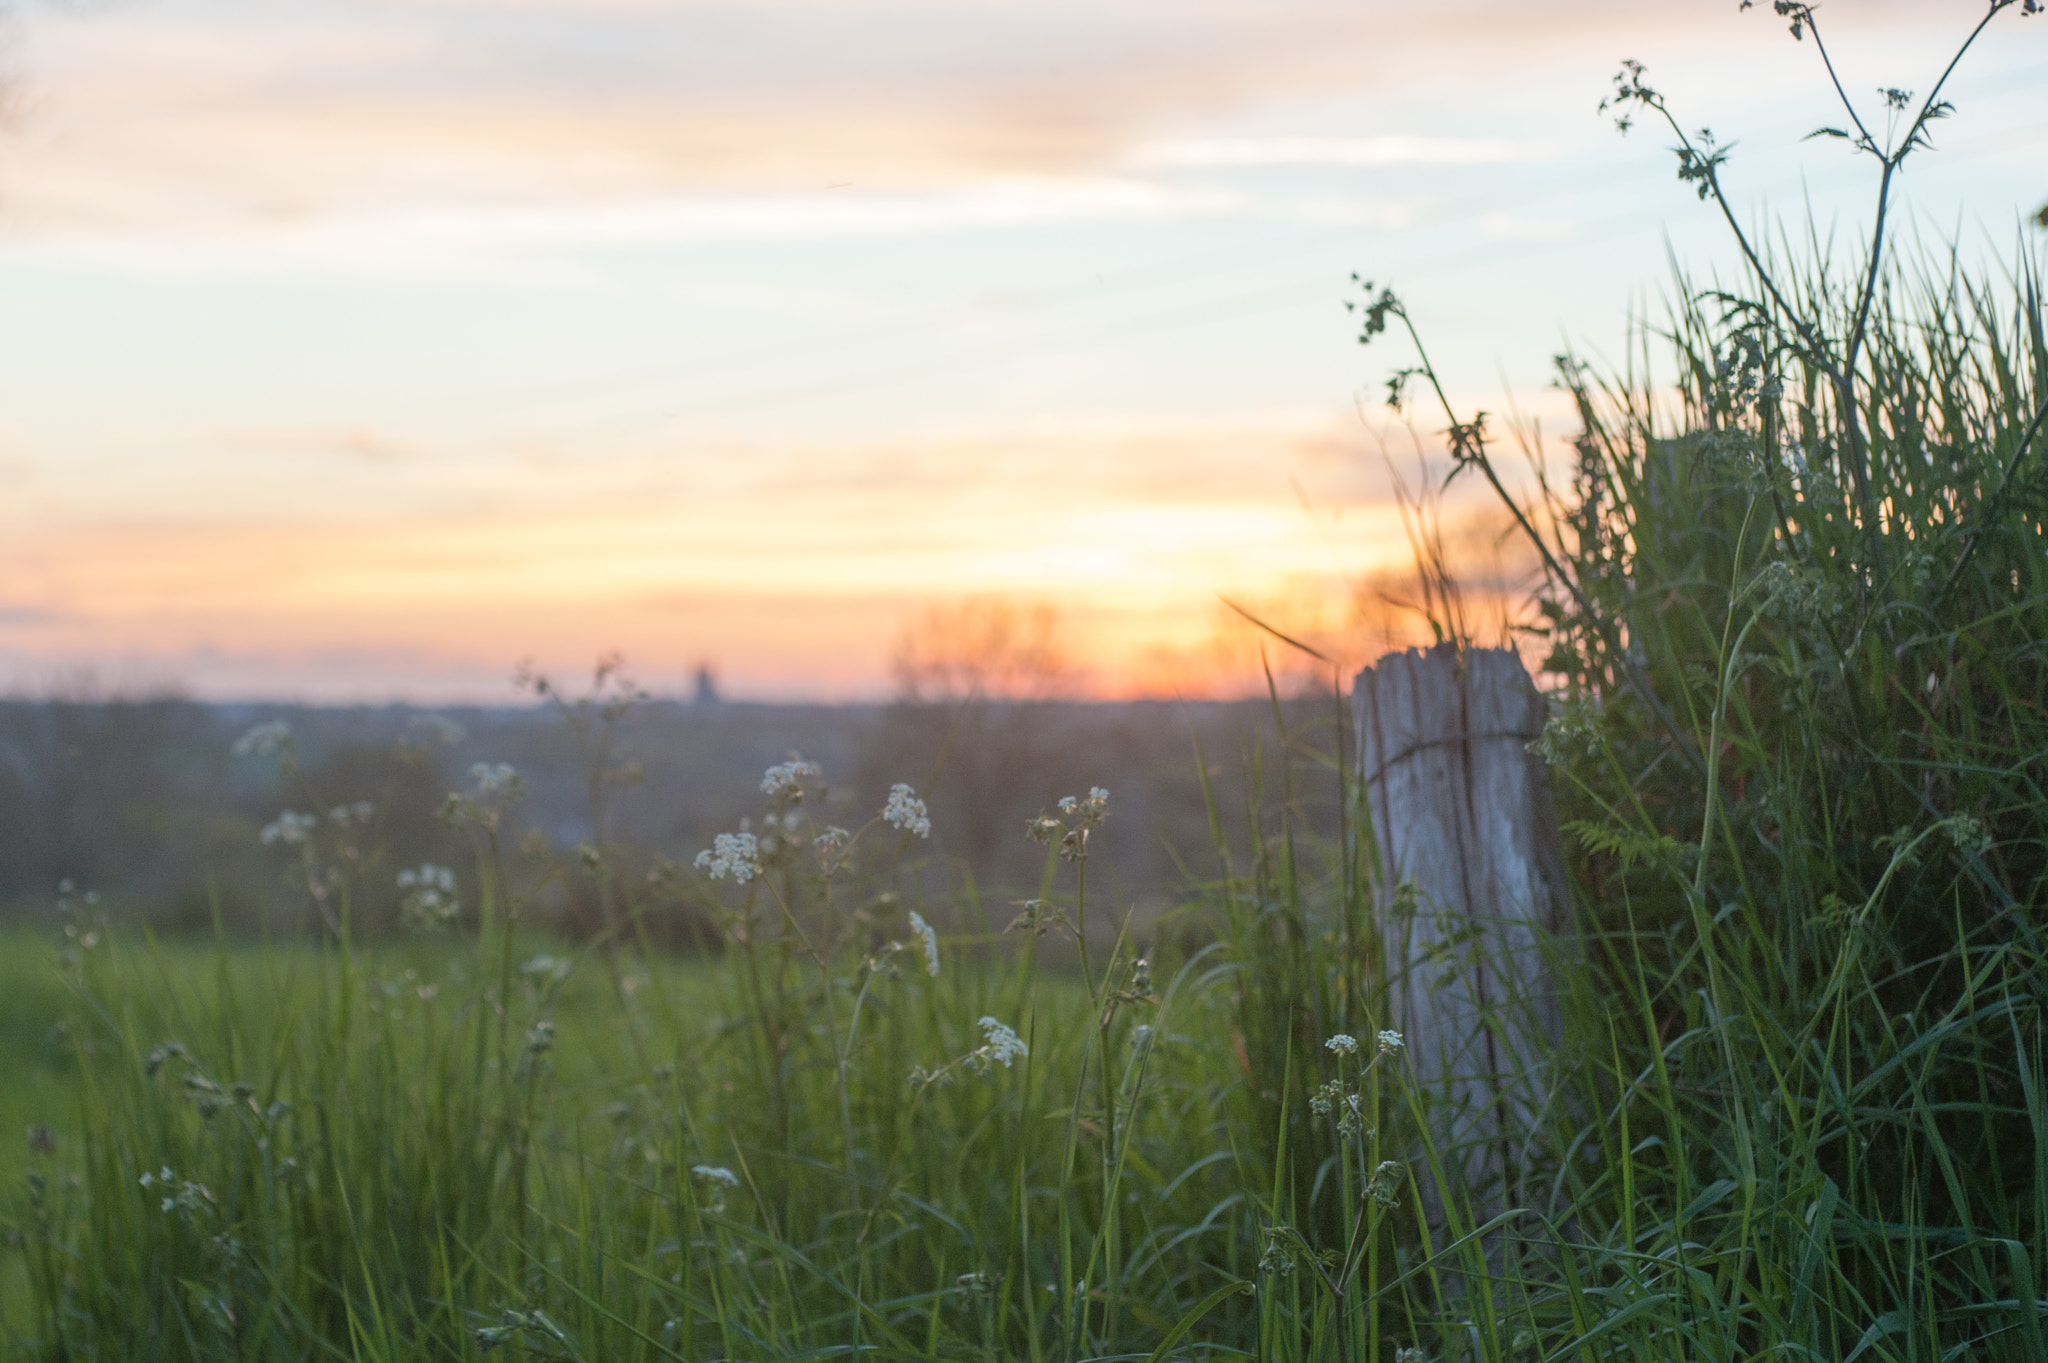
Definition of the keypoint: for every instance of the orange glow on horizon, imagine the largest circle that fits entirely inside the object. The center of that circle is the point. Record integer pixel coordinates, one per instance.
(789, 591)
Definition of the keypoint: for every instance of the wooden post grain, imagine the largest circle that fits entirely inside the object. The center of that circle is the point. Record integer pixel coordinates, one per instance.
(1470, 887)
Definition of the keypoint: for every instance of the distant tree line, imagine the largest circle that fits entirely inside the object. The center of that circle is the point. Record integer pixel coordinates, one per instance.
(146, 802)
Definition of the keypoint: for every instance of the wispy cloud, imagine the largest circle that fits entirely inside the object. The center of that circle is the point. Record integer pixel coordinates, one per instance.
(1342, 151)
(209, 110)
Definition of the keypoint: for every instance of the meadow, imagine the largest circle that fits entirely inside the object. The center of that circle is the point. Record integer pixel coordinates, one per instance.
(1794, 626)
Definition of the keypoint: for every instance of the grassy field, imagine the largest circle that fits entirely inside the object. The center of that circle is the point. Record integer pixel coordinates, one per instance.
(1795, 605)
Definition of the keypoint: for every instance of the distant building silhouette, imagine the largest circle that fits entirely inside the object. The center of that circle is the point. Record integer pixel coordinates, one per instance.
(707, 686)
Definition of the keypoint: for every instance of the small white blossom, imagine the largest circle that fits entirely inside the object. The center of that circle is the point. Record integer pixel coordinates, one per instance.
(358, 813)
(1002, 1045)
(429, 898)
(289, 828)
(1390, 1042)
(732, 854)
(495, 779)
(905, 811)
(267, 739)
(930, 939)
(785, 780)
(1343, 1044)
(717, 1181)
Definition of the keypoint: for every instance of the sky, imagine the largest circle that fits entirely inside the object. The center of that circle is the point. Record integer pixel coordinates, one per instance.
(353, 350)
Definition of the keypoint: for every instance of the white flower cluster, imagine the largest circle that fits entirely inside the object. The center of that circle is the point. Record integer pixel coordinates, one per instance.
(495, 780)
(1343, 1044)
(1002, 1045)
(717, 1180)
(930, 939)
(1095, 806)
(1390, 1042)
(785, 780)
(267, 739)
(905, 811)
(180, 1195)
(737, 855)
(289, 828)
(429, 901)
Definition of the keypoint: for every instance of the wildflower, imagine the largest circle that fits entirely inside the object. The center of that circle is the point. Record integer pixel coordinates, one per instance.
(358, 813)
(1138, 987)
(1324, 1100)
(1037, 917)
(905, 811)
(716, 1180)
(1003, 1045)
(732, 854)
(785, 780)
(1410, 1356)
(1276, 1259)
(548, 969)
(930, 940)
(831, 840)
(1968, 833)
(495, 778)
(1390, 1042)
(289, 828)
(180, 1195)
(267, 739)
(1343, 1044)
(1042, 829)
(163, 1054)
(495, 788)
(429, 899)
(1384, 1186)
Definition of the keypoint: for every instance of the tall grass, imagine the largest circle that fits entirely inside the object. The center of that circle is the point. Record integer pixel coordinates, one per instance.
(1796, 619)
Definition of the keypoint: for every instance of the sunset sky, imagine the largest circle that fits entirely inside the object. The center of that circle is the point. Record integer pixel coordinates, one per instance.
(354, 350)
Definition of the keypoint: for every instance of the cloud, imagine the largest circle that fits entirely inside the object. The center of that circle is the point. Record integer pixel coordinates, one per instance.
(204, 111)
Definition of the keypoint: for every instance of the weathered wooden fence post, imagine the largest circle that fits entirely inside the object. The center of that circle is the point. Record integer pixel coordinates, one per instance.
(1471, 881)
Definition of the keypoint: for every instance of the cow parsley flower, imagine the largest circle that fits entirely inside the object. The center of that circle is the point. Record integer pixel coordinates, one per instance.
(732, 854)
(495, 779)
(930, 940)
(1390, 1042)
(428, 901)
(289, 828)
(267, 739)
(905, 811)
(1343, 1044)
(785, 780)
(1002, 1045)
(716, 1180)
